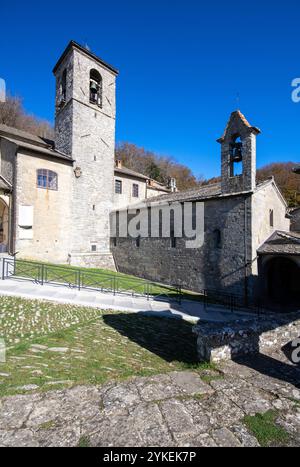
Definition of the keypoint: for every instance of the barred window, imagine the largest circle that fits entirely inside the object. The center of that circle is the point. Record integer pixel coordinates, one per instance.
(118, 186)
(135, 190)
(46, 179)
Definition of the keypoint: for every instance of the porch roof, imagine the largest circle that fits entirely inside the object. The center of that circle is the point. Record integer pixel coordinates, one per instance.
(5, 186)
(281, 242)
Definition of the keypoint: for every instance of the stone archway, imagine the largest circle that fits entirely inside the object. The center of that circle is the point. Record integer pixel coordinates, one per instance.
(4, 226)
(283, 281)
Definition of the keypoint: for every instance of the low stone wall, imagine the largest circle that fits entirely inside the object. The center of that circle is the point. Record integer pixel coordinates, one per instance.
(218, 342)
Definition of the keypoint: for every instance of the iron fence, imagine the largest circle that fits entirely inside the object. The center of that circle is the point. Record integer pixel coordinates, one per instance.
(74, 278)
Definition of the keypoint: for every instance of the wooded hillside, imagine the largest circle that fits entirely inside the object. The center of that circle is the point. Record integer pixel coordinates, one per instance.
(13, 114)
(160, 168)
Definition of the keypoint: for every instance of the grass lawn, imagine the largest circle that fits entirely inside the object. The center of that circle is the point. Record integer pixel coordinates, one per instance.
(53, 346)
(265, 429)
(98, 278)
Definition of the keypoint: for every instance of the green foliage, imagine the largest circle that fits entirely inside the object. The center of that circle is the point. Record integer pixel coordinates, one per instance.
(160, 168)
(265, 429)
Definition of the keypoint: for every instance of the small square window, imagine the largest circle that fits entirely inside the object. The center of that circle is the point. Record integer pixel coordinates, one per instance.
(118, 187)
(135, 190)
(94, 247)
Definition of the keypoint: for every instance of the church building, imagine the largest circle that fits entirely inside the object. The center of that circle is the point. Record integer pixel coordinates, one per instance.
(57, 198)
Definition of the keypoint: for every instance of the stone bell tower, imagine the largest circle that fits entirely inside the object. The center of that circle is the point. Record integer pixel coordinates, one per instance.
(85, 130)
(238, 155)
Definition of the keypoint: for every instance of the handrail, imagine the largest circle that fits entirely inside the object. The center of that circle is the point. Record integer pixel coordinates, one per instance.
(42, 273)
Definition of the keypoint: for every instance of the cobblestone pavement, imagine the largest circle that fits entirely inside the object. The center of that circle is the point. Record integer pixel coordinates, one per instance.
(174, 409)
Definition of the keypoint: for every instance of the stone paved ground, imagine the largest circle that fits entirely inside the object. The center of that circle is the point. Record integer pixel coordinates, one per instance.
(174, 409)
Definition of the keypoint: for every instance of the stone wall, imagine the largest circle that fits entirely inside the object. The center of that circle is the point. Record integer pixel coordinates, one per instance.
(295, 220)
(216, 342)
(7, 153)
(87, 133)
(51, 227)
(265, 199)
(207, 267)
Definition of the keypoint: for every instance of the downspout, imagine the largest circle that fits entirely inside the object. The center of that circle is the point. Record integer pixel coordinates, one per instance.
(12, 247)
(246, 252)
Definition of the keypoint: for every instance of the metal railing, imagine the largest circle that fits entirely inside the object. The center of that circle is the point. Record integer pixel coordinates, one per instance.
(76, 278)
(41, 273)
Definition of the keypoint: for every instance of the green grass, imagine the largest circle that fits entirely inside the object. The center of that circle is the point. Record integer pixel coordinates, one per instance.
(83, 442)
(100, 345)
(99, 278)
(265, 429)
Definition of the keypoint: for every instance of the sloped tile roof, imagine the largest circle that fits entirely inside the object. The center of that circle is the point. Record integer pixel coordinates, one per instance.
(281, 242)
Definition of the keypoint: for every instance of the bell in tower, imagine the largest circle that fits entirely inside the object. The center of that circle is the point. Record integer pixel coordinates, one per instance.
(236, 151)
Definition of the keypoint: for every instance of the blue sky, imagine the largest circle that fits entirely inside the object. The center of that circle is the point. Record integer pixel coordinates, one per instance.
(182, 64)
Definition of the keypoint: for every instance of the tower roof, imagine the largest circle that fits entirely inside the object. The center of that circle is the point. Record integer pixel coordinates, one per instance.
(238, 119)
(75, 45)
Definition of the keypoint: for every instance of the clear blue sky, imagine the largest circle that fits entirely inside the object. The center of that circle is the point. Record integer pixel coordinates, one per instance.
(181, 62)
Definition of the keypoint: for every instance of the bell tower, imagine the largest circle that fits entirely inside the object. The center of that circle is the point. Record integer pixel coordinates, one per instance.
(85, 114)
(238, 155)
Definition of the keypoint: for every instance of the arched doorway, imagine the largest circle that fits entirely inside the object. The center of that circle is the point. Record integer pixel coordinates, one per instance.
(283, 281)
(4, 220)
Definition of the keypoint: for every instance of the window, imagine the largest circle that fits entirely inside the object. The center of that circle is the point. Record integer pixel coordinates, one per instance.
(118, 186)
(63, 85)
(46, 179)
(271, 218)
(217, 238)
(95, 88)
(94, 248)
(173, 239)
(135, 190)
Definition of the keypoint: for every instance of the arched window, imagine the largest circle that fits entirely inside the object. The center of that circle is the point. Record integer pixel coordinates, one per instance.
(47, 179)
(95, 88)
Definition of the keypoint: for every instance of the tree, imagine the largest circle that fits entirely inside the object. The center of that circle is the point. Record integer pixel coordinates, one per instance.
(13, 114)
(160, 168)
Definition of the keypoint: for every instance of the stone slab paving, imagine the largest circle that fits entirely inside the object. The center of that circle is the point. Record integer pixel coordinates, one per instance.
(173, 409)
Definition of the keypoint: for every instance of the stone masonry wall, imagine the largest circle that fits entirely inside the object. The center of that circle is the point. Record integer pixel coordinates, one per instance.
(51, 228)
(208, 267)
(217, 342)
(88, 133)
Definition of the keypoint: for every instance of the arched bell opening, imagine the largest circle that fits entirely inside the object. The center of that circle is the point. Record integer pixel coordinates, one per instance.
(236, 156)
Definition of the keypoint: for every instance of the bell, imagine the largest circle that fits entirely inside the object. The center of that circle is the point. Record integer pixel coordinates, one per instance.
(93, 87)
(236, 152)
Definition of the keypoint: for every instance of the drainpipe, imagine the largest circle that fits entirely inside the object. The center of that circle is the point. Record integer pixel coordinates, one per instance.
(13, 208)
(246, 252)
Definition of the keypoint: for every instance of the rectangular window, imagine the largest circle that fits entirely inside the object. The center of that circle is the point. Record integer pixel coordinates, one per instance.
(271, 218)
(118, 187)
(94, 248)
(173, 239)
(135, 190)
(46, 179)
